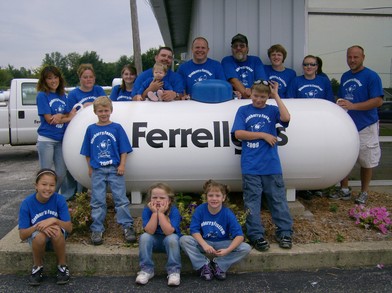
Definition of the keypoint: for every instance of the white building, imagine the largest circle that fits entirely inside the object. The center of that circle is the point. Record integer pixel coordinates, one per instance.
(318, 27)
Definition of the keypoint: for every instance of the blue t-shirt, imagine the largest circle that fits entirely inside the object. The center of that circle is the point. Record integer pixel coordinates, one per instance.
(104, 144)
(319, 88)
(118, 94)
(193, 73)
(78, 96)
(175, 81)
(360, 87)
(258, 157)
(174, 217)
(284, 78)
(51, 103)
(166, 84)
(221, 226)
(32, 211)
(247, 72)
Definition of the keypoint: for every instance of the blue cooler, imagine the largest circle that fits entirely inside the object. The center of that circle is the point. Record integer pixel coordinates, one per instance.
(212, 91)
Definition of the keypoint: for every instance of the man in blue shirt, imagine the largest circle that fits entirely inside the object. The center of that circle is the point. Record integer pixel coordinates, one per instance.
(200, 67)
(361, 93)
(164, 56)
(241, 69)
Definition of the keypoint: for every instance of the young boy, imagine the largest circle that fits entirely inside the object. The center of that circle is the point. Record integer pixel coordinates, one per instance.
(106, 146)
(44, 222)
(255, 126)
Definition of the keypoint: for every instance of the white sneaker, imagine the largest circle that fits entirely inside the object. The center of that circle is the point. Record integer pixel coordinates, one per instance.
(143, 277)
(173, 279)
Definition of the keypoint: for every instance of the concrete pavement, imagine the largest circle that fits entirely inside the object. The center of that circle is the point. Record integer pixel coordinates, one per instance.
(16, 257)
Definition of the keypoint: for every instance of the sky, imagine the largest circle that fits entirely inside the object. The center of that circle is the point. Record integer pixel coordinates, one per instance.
(31, 28)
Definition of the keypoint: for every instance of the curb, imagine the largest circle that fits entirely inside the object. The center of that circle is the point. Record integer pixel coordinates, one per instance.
(16, 257)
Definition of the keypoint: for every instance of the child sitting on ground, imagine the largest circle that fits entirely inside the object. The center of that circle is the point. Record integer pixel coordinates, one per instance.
(215, 231)
(161, 223)
(44, 220)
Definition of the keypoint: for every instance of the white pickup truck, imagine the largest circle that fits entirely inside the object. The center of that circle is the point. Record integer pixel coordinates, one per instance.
(19, 118)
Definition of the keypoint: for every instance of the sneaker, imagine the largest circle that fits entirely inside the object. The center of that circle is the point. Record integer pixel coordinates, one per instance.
(173, 279)
(143, 277)
(62, 275)
(261, 244)
(285, 242)
(340, 195)
(96, 238)
(206, 272)
(129, 235)
(362, 198)
(217, 271)
(36, 276)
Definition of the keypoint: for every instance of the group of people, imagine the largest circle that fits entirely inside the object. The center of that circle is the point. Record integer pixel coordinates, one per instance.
(214, 230)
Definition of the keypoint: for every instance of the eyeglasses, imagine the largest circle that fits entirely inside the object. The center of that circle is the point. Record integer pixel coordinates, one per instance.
(260, 81)
(241, 46)
(309, 64)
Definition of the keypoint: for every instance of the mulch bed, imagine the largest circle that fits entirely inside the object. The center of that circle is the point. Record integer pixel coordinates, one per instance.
(330, 222)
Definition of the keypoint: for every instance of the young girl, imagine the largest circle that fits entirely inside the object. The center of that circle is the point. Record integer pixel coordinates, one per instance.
(161, 223)
(51, 103)
(123, 92)
(44, 221)
(215, 231)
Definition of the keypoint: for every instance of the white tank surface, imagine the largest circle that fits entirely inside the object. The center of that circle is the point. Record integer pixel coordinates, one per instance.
(184, 143)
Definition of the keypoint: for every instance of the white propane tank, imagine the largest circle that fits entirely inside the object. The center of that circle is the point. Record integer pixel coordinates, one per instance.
(184, 143)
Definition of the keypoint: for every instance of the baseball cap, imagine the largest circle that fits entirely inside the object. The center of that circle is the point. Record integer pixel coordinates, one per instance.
(239, 38)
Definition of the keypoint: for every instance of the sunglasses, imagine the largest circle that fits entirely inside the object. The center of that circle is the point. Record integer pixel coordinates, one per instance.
(260, 81)
(309, 64)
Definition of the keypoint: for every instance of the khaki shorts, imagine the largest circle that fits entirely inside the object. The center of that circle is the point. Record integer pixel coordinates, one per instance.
(369, 147)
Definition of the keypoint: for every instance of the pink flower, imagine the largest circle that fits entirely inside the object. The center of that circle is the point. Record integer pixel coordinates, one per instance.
(377, 217)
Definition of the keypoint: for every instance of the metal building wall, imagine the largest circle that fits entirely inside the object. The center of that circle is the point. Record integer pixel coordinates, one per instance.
(264, 22)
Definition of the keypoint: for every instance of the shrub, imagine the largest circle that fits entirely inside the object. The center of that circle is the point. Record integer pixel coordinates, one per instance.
(80, 212)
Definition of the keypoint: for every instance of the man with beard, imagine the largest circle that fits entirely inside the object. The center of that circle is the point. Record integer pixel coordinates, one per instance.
(241, 69)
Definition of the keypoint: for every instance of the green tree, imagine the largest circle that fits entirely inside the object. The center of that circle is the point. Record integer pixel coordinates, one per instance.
(335, 86)
(94, 59)
(148, 58)
(72, 64)
(123, 60)
(5, 79)
(55, 59)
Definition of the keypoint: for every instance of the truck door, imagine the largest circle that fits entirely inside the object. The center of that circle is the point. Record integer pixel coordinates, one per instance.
(24, 119)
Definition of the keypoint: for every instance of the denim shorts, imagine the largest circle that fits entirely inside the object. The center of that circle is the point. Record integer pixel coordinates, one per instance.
(49, 246)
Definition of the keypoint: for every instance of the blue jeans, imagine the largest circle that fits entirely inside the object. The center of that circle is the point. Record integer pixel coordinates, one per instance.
(50, 153)
(198, 258)
(159, 243)
(99, 180)
(272, 187)
(70, 186)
